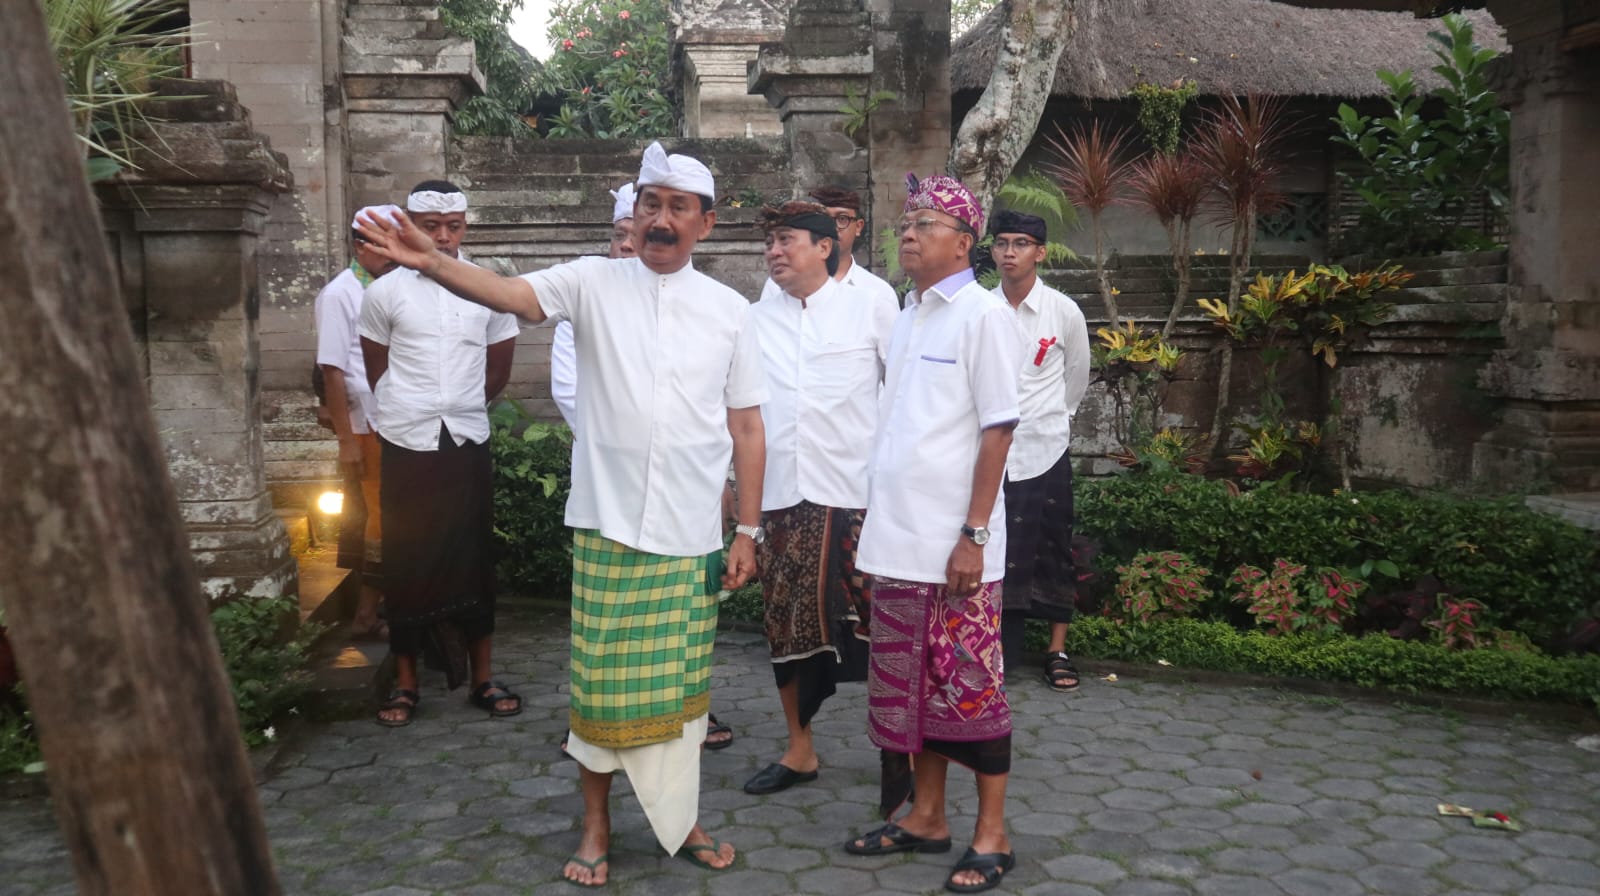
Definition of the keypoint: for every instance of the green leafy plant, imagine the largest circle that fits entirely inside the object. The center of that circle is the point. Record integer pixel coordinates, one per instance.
(1324, 311)
(1240, 146)
(1373, 661)
(264, 650)
(1534, 574)
(1136, 366)
(612, 70)
(1420, 178)
(1161, 585)
(1035, 194)
(1161, 111)
(509, 73)
(19, 741)
(110, 52)
(858, 109)
(532, 476)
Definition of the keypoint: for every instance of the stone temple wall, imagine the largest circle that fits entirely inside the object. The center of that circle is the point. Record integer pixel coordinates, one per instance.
(1413, 407)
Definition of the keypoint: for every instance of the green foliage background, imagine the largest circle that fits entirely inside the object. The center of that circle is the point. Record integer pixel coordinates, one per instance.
(1535, 574)
(532, 476)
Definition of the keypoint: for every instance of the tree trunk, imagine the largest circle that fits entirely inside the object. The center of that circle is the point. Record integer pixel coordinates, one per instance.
(1107, 297)
(997, 130)
(1238, 263)
(1178, 237)
(150, 781)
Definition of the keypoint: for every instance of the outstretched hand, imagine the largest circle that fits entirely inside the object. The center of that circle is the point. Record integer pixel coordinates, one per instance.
(396, 238)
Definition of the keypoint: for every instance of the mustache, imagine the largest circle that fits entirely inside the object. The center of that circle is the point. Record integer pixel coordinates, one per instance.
(664, 237)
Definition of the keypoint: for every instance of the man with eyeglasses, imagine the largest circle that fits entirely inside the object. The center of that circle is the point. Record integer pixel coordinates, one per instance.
(1040, 578)
(823, 348)
(934, 537)
(844, 207)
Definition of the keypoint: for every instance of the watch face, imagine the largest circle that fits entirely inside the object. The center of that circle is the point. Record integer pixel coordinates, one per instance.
(980, 535)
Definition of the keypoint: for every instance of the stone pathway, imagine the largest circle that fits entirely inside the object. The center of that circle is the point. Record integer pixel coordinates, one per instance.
(1133, 788)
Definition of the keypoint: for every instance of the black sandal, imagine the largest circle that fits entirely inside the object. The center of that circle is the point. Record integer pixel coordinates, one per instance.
(717, 727)
(1059, 673)
(399, 698)
(992, 865)
(486, 695)
(900, 840)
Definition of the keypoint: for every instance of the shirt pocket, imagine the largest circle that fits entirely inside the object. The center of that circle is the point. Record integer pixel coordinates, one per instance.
(838, 372)
(467, 326)
(1048, 357)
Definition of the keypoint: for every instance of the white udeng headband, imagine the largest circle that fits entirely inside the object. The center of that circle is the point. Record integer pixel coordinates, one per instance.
(677, 172)
(624, 203)
(429, 201)
(374, 213)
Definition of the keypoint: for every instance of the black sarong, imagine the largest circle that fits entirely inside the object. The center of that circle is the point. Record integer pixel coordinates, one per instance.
(1041, 580)
(438, 521)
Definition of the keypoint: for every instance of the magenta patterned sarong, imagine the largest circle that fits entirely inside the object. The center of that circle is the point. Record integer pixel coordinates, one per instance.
(936, 671)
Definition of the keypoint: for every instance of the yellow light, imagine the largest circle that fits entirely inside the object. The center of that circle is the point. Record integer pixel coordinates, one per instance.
(330, 503)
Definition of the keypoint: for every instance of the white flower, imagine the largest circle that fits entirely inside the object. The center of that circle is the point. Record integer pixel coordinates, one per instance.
(269, 732)
(1354, 501)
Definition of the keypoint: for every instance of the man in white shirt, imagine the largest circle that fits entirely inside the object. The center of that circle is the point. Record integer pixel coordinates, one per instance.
(672, 388)
(351, 410)
(823, 345)
(563, 353)
(434, 363)
(934, 538)
(844, 207)
(1040, 578)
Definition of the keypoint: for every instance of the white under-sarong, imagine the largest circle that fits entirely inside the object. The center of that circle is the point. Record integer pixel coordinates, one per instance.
(665, 776)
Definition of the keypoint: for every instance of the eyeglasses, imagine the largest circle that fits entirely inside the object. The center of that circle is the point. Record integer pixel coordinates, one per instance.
(844, 220)
(924, 225)
(1002, 246)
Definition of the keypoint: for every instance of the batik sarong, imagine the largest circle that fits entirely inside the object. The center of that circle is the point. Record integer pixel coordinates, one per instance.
(937, 678)
(816, 601)
(643, 626)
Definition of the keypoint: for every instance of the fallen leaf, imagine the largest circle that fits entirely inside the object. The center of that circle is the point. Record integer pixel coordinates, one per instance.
(1111, 677)
(1162, 663)
(1255, 773)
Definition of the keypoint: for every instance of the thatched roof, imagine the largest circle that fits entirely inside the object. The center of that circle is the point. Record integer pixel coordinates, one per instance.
(1227, 46)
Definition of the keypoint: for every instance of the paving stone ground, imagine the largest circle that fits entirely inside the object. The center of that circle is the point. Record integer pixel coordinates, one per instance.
(1132, 788)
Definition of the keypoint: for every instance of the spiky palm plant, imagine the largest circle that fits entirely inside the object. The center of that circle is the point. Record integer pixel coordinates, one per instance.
(1172, 186)
(1093, 168)
(1240, 145)
(109, 52)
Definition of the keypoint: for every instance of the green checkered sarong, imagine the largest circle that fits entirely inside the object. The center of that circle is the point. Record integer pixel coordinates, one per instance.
(642, 630)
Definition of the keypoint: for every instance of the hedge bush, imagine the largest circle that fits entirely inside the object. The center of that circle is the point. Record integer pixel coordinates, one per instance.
(1373, 661)
(1535, 574)
(532, 476)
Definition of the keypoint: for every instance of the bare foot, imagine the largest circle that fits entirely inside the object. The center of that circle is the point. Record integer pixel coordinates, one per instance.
(718, 860)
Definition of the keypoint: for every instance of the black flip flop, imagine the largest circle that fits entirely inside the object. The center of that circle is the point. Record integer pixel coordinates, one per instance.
(992, 865)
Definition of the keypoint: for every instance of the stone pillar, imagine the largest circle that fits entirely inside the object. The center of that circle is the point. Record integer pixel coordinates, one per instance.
(185, 235)
(1548, 374)
(404, 77)
(911, 59)
(808, 78)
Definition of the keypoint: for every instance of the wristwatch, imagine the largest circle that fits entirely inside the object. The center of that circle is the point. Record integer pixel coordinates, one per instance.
(757, 534)
(979, 535)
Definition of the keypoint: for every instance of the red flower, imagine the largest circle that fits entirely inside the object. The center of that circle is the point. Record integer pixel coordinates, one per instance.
(623, 15)
(566, 45)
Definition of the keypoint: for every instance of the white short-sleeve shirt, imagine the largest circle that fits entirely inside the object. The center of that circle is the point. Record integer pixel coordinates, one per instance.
(824, 362)
(662, 358)
(337, 312)
(438, 360)
(952, 372)
(1055, 374)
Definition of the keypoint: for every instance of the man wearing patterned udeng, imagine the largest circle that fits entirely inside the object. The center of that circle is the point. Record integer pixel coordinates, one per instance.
(934, 537)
